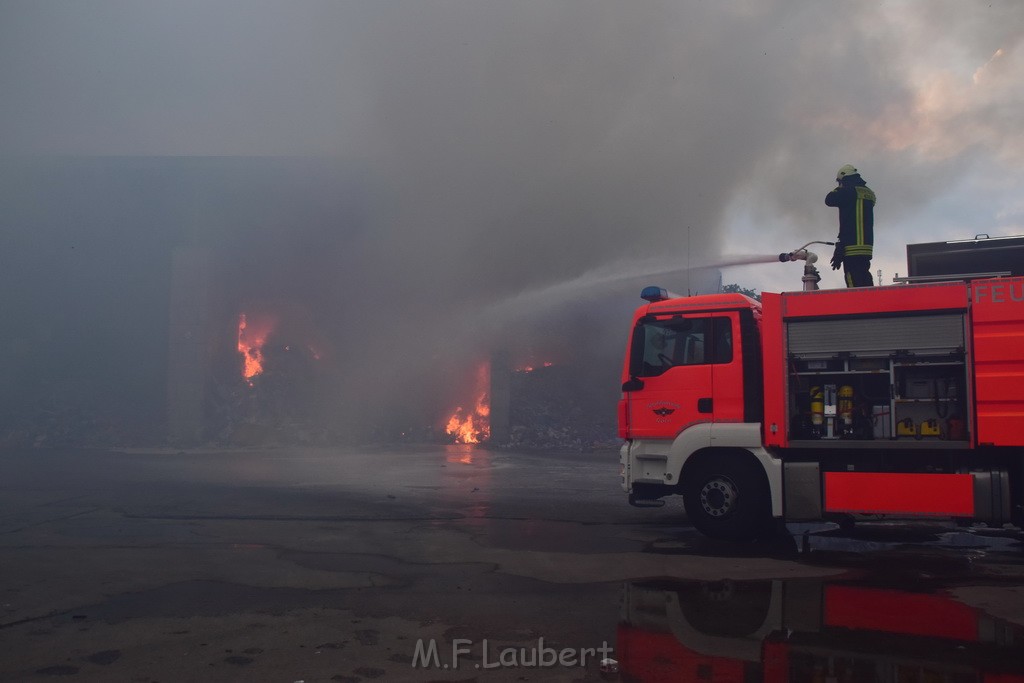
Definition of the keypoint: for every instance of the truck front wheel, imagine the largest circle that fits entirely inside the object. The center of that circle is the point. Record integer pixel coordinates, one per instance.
(726, 497)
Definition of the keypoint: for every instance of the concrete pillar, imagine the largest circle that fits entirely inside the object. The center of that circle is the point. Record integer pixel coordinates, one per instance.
(188, 360)
(501, 396)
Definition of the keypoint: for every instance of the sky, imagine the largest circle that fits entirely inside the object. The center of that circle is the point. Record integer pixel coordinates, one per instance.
(494, 151)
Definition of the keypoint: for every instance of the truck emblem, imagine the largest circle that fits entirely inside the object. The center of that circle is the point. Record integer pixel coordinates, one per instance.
(662, 410)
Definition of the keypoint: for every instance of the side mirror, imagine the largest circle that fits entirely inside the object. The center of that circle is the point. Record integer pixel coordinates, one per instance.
(633, 384)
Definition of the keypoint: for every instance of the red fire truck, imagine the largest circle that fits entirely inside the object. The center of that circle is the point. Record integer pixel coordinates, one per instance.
(904, 400)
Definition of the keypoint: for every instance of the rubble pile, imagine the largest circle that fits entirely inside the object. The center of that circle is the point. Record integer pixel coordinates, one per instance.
(60, 421)
(548, 411)
(274, 407)
(550, 408)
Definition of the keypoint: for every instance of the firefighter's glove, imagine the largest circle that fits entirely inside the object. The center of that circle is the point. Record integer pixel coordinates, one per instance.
(837, 257)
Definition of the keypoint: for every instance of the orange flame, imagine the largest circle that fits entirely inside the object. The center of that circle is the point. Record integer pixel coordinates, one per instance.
(531, 368)
(474, 426)
(250, 344)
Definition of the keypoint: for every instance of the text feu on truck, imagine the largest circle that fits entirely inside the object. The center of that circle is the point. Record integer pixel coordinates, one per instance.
(905, 400)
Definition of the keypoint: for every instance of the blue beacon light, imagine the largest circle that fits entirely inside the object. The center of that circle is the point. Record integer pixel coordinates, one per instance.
(654, 294)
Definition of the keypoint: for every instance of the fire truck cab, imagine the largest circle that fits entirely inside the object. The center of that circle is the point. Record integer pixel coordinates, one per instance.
(904, 400)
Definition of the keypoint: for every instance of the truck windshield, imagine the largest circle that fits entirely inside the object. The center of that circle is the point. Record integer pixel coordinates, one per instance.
(662, 344)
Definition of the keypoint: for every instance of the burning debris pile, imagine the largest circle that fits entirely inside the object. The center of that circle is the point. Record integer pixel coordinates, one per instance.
(473, 425)
(268, 398)
(265, 382)
(548, 412)
(251, 339)
(540, 406)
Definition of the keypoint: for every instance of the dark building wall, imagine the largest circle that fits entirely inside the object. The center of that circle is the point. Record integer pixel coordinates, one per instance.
(84, 285)
(93, 249)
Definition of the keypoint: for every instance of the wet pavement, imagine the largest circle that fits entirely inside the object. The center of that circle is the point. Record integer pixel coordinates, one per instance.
(434, 564)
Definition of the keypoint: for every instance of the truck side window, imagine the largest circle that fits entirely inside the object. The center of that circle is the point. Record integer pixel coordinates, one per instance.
(662, 344)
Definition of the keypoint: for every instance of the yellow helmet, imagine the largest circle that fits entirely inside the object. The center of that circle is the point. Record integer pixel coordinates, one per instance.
(845, 171)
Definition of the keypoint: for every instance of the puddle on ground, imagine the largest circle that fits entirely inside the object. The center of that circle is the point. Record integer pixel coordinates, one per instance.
(811, 630)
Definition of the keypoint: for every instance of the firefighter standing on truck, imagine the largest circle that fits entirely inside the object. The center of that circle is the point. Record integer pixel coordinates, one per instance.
(856, 204)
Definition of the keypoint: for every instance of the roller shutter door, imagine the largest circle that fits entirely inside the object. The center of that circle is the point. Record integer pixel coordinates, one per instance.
(922, 334)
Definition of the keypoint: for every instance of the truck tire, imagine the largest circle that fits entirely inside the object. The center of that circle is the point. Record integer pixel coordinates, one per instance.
(727, 498)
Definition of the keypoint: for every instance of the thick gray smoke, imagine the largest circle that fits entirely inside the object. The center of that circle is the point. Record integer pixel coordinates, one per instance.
(389, 176)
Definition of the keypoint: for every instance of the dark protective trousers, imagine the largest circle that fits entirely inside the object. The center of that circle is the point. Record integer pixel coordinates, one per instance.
(857, 270)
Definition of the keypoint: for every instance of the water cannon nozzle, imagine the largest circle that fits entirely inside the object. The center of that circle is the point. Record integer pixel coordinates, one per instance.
(811, 276)
(798, 255)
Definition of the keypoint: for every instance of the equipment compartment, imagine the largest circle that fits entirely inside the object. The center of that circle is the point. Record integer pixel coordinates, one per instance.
(928, 399)
(899, 382)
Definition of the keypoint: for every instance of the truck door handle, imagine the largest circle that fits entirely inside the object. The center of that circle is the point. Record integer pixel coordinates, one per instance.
(704, 405)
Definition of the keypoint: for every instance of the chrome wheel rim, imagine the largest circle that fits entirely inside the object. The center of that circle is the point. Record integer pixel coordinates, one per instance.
(719, 496)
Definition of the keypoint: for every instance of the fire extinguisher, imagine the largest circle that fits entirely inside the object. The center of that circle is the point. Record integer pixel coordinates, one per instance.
(817, 412)
(845, 408)
(955, 430)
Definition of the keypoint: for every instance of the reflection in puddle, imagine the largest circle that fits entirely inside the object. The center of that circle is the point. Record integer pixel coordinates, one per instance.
(462, 454)
(455, 487)
(877, 536)
(810, 630)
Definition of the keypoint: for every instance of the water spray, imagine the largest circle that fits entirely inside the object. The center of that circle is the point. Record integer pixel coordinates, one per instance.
(811, 276)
